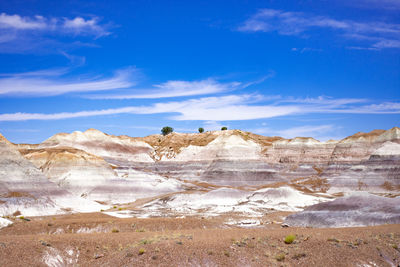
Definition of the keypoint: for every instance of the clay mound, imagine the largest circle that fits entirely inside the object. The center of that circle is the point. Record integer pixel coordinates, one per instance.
(364, 136)
(359, 209)
(4, 222)
(26, 191)
(169, 146)
(115, 148)
(221, 201)
(72, 169)
(89, 176)
(388, 149)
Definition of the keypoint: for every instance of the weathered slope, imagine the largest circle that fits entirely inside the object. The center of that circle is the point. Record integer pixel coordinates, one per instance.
(72, 169)
(25, 189)
(89, 176)
(360, 209)
(240, 158)
(115, 148)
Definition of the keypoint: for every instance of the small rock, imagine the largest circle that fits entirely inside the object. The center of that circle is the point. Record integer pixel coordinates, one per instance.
(284, 225)
(44, 243)
(98, 256)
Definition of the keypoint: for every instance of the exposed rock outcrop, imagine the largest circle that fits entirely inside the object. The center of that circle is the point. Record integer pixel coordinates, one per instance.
(361, 209)
(122, 169)
(24, 190)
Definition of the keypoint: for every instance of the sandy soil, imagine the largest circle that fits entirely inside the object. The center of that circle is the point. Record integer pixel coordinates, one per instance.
(100, 240)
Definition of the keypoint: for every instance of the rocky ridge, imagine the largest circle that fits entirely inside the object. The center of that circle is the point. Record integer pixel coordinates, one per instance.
(194, 169)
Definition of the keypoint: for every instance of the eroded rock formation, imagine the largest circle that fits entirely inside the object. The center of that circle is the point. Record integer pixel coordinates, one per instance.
(193, 168)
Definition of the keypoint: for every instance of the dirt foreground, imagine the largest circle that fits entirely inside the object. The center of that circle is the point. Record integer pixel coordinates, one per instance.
(97, 239)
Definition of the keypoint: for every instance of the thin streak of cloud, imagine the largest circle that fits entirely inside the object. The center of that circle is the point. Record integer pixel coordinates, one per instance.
(76, 26)
(179, 88)
(381, 34)
(39, 84)
(20, 116)
(22, 23)
(224, 108)
(38, 34)
(175, 89)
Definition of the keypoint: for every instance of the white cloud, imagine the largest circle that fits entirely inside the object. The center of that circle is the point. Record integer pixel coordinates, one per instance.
(80, 26)
(20, 116)
(224, 108)
(77, 25)
(52, 82)
(21, 23)
(381, 34)
(47, 83)
(175, 89)
(19, 34)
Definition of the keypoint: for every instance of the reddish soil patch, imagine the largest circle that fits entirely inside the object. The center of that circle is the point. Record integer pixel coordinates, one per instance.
(191, 241)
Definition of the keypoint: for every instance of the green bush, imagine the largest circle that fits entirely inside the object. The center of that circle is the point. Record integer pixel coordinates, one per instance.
(166, 130)
(289, 239)
(224, 128)
(142, 251)
(201, 130)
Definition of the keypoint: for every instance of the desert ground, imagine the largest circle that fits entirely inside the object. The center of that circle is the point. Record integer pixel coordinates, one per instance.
(96, 239)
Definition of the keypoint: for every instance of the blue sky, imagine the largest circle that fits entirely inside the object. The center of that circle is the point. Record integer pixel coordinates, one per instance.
(325, 69)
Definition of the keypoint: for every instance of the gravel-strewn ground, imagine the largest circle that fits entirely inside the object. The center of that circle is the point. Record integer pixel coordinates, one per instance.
(100, 240)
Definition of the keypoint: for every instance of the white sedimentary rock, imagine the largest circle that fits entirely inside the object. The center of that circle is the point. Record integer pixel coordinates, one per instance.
(357, 209)
(4, 222)
(122, 148)
(24, 188)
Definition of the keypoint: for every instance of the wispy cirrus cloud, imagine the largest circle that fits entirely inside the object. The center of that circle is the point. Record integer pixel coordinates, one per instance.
(123, 84)
(180, 88)
(376, 35)
(22, 23)
(49, 83)
(77, 25)
(225, 108)
(174, 88)
(34, 34)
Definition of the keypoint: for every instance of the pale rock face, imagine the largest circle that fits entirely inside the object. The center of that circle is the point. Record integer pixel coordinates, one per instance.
(4, 223)
(72, 169)
(224, 200)
(131, 185)
(357, 209)
(231, 166)
(89, 176)
(229, 147)
(387, 149)
(121, 148)
(300, 151)
(25, 189)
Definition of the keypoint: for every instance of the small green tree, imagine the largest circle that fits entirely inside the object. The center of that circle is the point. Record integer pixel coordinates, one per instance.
(201, 130)
(166, 130)
(224, 128)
